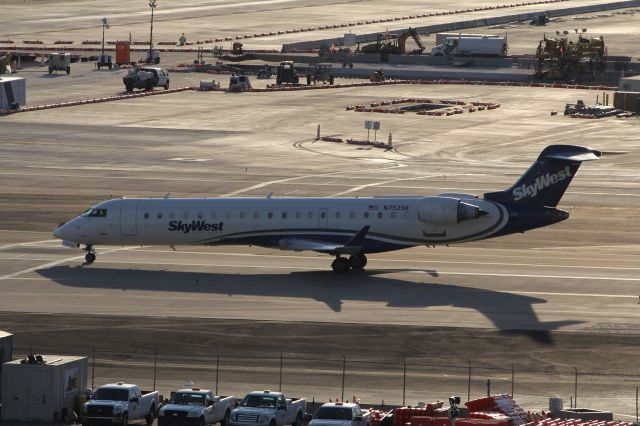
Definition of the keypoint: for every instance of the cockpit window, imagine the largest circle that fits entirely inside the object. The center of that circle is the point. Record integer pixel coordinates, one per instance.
(95, 213)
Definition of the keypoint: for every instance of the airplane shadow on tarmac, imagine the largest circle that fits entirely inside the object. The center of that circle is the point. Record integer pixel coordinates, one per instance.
(510, 313)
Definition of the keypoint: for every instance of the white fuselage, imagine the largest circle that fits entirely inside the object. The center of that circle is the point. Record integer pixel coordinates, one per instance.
(394, 223)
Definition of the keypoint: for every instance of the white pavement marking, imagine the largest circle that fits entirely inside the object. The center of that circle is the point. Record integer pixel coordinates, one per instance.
(52, 264)
(27, 244)
(368, 185)
(563, 277)
(262, 185)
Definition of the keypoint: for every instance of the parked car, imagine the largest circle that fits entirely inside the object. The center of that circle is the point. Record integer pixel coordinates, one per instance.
(195, 407)
(118, 403)
(340, 414)
(266, 408)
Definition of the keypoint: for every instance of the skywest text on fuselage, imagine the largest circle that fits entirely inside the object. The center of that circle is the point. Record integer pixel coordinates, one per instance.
(195, 225)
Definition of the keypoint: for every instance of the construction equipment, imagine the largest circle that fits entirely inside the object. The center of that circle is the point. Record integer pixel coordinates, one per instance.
(239, 83)
(561, 58)
(104, 61)
(388, 43)
(287, 74)
(540, 20)
(320, 73)
(378, 76)
(237, 49)
(153, 57)
(146, 78)
(265, 72)
(59, 62)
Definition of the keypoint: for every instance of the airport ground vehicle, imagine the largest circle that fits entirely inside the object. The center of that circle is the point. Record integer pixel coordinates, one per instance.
(266, 408)
(239, 83)
(104, 61)
(5, 64)
(320, 73)
(340, 414)
(195, 407)
(472, 46)
(118, 403)
(287, 74)
(60, 62)
(153, 57)
(377, 76)
(146, 78)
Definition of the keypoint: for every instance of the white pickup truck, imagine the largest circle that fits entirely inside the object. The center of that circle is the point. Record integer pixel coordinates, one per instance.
(266, 408)
(118, 403)
(195, 407)
(340, 414)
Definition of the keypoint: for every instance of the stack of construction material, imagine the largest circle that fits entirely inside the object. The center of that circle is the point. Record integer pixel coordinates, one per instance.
(576, 422)
(404, 415)
(503, 404)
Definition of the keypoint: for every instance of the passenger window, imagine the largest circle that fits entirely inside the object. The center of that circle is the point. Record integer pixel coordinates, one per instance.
(185, 215)
(159, 215)
(172, 215)
(406, 215)
(270, 215)
(200, 215)
(256, 215)
(284, 215)
(393, 215)
(323, 214)
(310, 215)
(146, 215)
(366, 215)
(379, 215)
(214, 215)
(241, 215)
(337, 215)
(227, 215)
(298, 215)
(352, 215)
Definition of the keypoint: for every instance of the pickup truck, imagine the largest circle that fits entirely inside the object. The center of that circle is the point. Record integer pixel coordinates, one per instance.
(118, 403)
(195, 407)
(146, 77)
(340, 414)
(266, 408)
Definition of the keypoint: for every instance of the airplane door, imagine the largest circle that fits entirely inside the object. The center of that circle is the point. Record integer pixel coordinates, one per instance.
(128, 212)
(323, 217)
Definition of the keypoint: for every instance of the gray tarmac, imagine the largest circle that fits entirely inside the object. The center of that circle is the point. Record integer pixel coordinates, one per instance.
(545, 301)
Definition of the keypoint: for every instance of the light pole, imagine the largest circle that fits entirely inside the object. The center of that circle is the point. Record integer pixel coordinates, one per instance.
(152, 5)
(105, 25)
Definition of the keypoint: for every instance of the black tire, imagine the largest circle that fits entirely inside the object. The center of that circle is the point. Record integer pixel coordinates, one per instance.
(331, 80)
(68, 70)
(341, 265)
(149, 418)
(358, 261)
(129, 88)
(125, 419)
(148, 87)
(272, 423)
(201, 422)
(166, 86)
(308, 80)
(110, 65)
(226, 418)
(90, 257)
(50, 70)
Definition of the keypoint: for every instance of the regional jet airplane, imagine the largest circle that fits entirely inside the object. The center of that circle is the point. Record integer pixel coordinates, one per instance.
(347, 228)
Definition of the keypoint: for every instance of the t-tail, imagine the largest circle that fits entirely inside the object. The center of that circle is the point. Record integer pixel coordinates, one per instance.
(545, 182)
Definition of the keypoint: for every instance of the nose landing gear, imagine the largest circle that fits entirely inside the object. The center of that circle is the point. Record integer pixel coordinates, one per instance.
(90, 257)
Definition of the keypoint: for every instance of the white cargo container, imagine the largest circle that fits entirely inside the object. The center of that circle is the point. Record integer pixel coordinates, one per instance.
(441, 37)
(13, 92)
(630, 84)
(45, 389)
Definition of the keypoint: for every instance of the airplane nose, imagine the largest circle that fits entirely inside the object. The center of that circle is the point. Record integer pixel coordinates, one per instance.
(59, 233)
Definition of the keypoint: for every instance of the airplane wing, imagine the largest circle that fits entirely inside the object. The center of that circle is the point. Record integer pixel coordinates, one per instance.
(353, 246)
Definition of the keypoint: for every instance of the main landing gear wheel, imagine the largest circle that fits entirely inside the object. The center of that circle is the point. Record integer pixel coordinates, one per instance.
(358, 261)
(90, 257)
(341, 265)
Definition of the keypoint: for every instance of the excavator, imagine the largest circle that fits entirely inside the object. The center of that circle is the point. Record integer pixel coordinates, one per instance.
(394, 44)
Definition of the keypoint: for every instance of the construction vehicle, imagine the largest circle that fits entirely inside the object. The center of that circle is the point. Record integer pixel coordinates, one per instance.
(265, 72)
(560, 58)
(239, 83)
(146, 78)
(388, 43)
(540, 20)
(287, 74)
(237, 49)
(59, 62)
(472, 46)
(104, 61)
(5, 64)
(378, 76)
(321, 73)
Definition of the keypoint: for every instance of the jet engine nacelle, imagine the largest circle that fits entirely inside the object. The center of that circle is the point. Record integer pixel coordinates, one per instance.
(447, 211)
